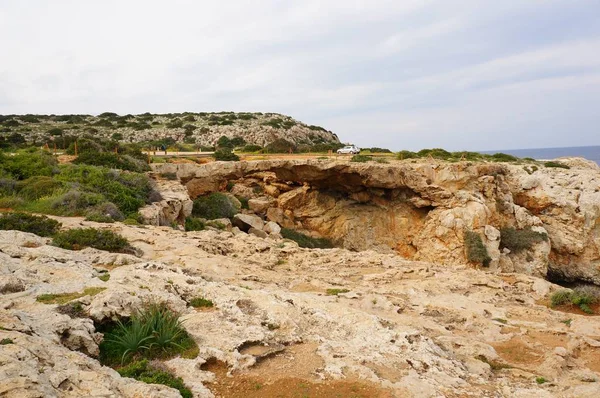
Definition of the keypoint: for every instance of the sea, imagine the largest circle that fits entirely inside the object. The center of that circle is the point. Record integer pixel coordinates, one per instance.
(588, 152)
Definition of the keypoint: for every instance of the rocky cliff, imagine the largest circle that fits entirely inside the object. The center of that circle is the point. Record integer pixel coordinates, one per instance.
(421, 209)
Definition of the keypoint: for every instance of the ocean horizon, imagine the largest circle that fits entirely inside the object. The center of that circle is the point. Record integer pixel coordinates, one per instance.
(589, 152)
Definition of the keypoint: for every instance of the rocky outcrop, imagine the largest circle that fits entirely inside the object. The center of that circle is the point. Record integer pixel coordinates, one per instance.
(174, 206)
(405, 328)
(421, 209)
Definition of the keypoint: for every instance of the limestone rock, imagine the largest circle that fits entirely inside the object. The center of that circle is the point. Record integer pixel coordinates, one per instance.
(272, 228)
(260, 205)
(247, 221)
(258, 232)
(175, 205)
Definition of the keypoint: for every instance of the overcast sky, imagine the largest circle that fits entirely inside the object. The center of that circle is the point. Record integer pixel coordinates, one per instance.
(402, 74)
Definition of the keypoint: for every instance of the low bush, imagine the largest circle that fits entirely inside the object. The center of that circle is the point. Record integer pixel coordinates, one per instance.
(581, 297)
(113, 161)
(406, 155)
(556, 165)
(503, 157)
(29, 163)
(251, 148)
(517, 240)
(225, 154)
(360, 158)
(377, 150)
(215, 205)
(80, 238)
(201, 302)
(128, 191)
(194, 224)
(39, 225)
(476, 250)
(144, 372)
(280, 145)
(153, 332)
(37, 187)
(305, 240)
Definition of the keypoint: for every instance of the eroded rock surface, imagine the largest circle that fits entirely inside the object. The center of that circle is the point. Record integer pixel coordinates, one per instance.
(411, 329)
(421, 209)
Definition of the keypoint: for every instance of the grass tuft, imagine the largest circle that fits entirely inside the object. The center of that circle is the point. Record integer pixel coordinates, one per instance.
(335, 292)
(63, 298)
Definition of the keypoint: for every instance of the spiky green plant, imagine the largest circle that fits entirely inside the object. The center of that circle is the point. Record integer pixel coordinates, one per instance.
(166, 328)
(130, 339)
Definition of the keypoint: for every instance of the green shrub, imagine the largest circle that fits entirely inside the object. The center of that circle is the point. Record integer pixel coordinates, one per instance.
(80, 238)
(39, 225)
(6, 341)
(225, 154)
(243, 202)
(153, 332)
(476, 250)
(142, 371)
(581, 297)
(194, 224)
(360, 158)
(201, 302)
(37, 187)
(251, 148)
(112, 160)
(8, 187)
(85, 145)
(377, 150)
(517, 240)
(556, 165)
(29, 163)
(74, 203)
(128, 191)
(436, 153)
(280, 146)
(215, 205)
(99, 217)
(305, 240)
(503, 157)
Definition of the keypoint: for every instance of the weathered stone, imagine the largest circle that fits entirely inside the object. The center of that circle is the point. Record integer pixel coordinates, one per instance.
(272, 228)
(260, 205)
(175, 205)
(247, 221)
(258, 232)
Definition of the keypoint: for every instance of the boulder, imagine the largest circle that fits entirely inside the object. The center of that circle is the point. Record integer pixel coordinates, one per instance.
(272, 228)
(246, 221)
(260, 205)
